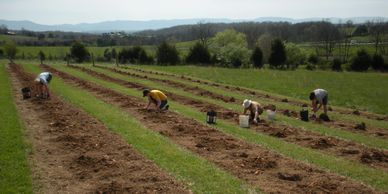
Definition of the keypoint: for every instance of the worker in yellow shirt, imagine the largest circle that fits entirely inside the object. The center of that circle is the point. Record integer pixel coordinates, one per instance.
(157, 97)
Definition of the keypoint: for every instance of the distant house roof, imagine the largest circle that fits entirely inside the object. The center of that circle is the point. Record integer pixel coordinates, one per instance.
(10, 33)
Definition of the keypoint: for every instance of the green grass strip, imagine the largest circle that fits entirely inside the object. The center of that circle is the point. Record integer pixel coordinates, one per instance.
(327, 131)
(241, 96)
(200, 175)
(357, 171)
(15, 175)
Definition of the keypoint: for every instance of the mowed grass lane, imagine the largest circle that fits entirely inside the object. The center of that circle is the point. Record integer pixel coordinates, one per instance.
(15, 174)
(198, 174)
(357, 171)
(362, 90)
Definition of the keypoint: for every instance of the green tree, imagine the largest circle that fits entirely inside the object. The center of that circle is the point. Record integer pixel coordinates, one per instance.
(361, 62)
(295, 56)
(79, 52)
(198, 54)
(41, 56)
(231, 48)
(10, 50)
(278, 56)
(257, 57)
(167, 54)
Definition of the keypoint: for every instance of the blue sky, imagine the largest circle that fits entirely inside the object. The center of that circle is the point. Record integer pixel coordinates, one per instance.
(78, 11)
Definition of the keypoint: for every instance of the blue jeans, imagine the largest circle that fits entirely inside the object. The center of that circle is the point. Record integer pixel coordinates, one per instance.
(163, 103)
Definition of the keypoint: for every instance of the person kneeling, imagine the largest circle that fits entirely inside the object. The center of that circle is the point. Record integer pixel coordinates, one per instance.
(157, 97)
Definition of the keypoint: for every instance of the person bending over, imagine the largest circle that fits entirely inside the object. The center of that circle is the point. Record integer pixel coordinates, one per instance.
(41, 84)
(319, 98)
(157, 97)
(255, 109)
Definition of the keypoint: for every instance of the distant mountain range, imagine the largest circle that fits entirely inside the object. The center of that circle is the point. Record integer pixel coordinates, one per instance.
(132, 26)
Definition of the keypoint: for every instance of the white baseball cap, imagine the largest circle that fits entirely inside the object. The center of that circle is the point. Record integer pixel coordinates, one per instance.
(247, 103)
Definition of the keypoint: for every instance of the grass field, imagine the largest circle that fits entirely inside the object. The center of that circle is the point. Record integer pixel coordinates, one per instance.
(14, 169)
(221, 158)
(366, 91)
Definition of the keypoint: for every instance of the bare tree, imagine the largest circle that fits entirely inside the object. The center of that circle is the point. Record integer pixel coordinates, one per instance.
(327, 35)
(203, 31)
(377, 29)
(346, 31)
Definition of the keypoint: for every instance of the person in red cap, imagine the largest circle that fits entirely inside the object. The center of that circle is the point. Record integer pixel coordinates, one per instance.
(157, 97)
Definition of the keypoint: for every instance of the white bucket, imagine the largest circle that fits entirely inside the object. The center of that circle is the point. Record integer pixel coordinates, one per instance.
(244, 121)
(271, 115)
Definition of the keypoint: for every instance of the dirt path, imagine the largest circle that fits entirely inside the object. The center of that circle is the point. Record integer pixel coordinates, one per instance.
(368, 115)
(345, 149)
(269, 171)
(345, 125)
(75, 153)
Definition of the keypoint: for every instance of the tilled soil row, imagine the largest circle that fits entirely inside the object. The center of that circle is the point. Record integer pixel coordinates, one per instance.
(269, 171)
(349, 126)
(345, 149)
(75, 153)
(368, 115)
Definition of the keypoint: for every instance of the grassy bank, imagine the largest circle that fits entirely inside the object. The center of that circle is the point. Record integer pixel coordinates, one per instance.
(15, 174)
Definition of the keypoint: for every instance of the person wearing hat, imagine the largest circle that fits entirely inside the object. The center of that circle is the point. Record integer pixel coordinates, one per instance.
(157, 97)
(41, 84)
(255, 109)
(321, 97)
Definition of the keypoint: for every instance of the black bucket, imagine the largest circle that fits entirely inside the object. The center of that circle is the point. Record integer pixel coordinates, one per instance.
(304, 115)
(211, 117)
(26, 92)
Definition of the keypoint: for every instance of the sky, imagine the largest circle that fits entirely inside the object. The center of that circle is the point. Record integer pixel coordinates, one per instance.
(90, 11)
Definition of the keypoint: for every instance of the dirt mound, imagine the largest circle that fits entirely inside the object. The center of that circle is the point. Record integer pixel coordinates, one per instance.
(260, 163)
(360, 126)
(323, 143)
(290, 113)
(289, 177)
(282, 133)
(369, 157)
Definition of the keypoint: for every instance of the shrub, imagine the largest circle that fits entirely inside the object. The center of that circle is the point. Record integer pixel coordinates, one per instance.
(361, 62)
(199, 54)
(310, 67)
(313, 59)
(257, 57)
(377, 62)
(10, 50)
(144, 58)
(167, 54)
(336, 65)
(41, 56)
(79, 52)
(278, 56)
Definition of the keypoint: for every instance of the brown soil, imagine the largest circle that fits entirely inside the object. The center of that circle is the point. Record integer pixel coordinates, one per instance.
(75, 153)
(290, 134)
(345, 125)
(368, 115)
(252, 163)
